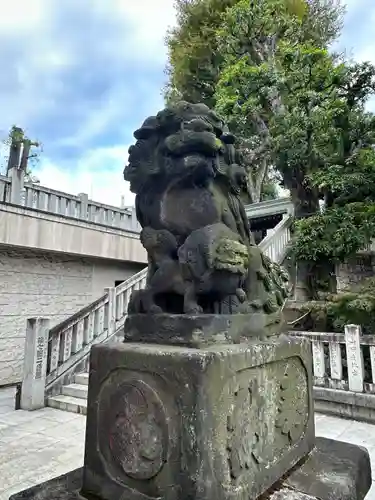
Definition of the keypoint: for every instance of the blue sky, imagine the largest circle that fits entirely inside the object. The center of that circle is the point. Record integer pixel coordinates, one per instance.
(81, 75)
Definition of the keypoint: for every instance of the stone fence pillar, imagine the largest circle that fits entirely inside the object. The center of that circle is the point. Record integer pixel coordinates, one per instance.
(111, 311)
(354, 356)
(83, 211)
(17, 176)
(35, 364)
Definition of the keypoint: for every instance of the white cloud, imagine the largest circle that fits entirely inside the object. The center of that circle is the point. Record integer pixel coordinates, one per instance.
(98, 173)
(25, 18)
(38, 67)
(43, 51)
(44, 56)
(150, 20)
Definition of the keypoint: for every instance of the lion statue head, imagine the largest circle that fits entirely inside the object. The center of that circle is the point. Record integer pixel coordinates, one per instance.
(183, 140)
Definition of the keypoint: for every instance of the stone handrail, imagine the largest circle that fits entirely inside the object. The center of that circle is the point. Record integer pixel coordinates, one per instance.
(37, 197)
(4, 188)
(124, 218)
(275, 244)
(338, 359)
(53, 355)
(79, 207)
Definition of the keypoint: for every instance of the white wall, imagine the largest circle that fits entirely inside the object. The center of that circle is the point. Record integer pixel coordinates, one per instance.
(49, 285)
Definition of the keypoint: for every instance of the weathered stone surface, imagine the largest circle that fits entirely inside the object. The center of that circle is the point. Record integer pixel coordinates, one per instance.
(197, 331)
(190, 187)
(285, 494)
(65, 487)
(225, 421)
(333, 471)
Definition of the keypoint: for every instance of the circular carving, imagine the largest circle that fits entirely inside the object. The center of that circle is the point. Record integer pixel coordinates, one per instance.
(134, 422)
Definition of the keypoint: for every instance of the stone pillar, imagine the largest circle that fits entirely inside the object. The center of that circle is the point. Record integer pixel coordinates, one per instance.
(354, 357)
(222, 422)
(111, 312)
(318, 362)
(17, 176)
(35, 364)
(83, 212)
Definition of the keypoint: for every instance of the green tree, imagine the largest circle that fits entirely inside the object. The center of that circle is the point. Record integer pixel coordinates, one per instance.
(272, 88)
(194, 60)
(194, 55)
(346, 177)
(229, 54)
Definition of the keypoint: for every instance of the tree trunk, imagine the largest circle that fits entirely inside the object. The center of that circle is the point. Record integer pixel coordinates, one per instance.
(256, 179)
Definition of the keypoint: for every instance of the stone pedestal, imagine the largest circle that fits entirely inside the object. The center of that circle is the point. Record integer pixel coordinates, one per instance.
(225, 421)
(219, 422)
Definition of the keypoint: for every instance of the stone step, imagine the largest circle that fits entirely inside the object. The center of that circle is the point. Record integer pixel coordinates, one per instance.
(75, 391)
(82, 378)
(68, 403)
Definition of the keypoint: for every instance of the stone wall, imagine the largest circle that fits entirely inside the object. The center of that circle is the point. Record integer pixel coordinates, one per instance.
(50, 285)
(355, 270)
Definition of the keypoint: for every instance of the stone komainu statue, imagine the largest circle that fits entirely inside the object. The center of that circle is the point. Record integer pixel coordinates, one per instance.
(201, 254)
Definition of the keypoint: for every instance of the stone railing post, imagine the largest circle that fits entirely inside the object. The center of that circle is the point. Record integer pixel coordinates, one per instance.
(111, 317)
(83, 212)
(318, 362)
(354, 357)
(35, 364)
(17, 176)
(133, 220)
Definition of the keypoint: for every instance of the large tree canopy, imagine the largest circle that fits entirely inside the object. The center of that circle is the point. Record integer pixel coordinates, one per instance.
(233, 55)
(296, 108)
(346, 174)
(195, 60)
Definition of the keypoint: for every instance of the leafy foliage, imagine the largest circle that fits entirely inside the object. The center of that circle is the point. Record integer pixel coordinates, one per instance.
(19, 148)
(356, 306)
(230, 54)
(345, 174)
(194, 58)
(336, 233)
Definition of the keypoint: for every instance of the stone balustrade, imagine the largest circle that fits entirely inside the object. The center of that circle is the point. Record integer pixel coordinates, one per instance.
(275, 243)
(52, 356)
(331, 351)
(14, 190)
(344, 372)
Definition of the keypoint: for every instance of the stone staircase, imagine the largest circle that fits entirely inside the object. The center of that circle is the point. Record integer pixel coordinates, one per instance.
(73, 397)
(69, 392)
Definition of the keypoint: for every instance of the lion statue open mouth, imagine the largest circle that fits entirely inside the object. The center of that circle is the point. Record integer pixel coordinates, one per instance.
(188, 182)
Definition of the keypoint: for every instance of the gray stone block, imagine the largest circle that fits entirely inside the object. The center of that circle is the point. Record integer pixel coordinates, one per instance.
(334, 470)
(221, 422)
(198, 331)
